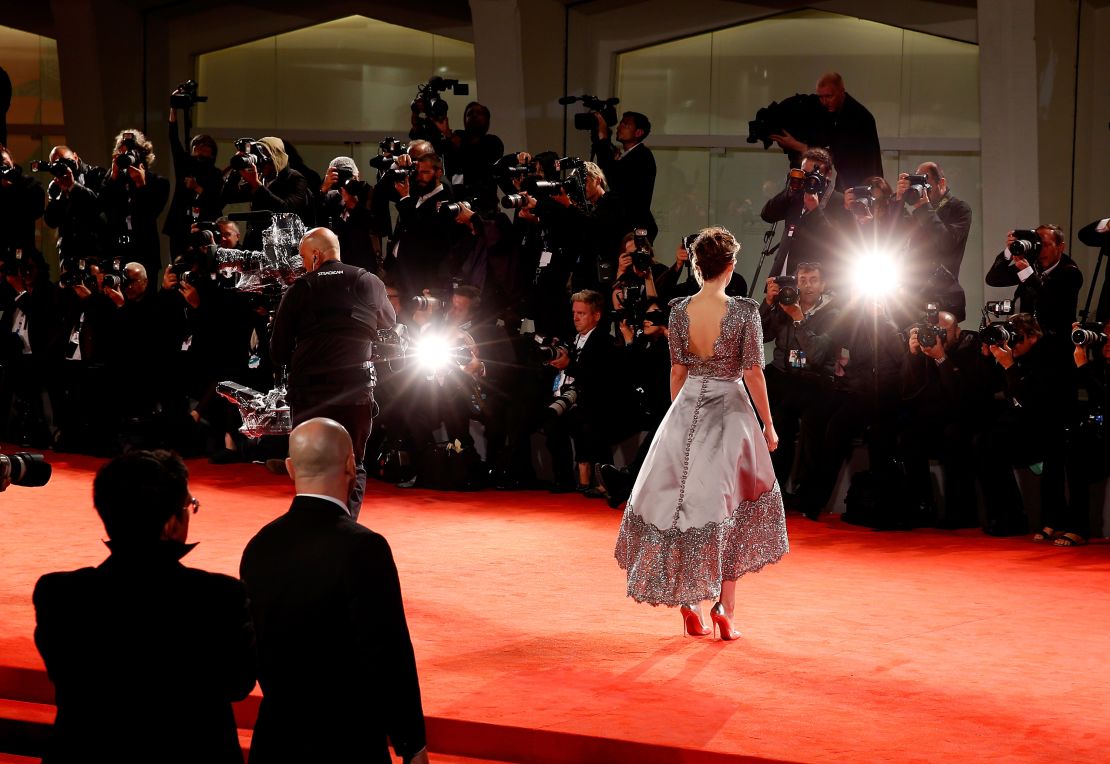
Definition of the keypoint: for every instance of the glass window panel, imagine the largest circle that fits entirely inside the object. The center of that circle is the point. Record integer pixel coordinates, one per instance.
(31, 62)
(353, 73)
(940, 87)
(670, 83)
(680, 203)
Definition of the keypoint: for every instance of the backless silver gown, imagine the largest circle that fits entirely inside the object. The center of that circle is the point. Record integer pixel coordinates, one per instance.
(705, 507)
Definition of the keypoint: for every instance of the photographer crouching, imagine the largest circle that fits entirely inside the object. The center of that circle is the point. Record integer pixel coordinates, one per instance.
(1028, 430)
(799, 314)
(587, 400)
(947, 387)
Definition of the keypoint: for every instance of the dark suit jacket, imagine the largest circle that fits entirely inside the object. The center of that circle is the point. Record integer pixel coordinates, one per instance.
(1051, 297)
(146, 656)
(632, 178)
(853, 140)
(423, 239)
(805, 238)
(337, 669)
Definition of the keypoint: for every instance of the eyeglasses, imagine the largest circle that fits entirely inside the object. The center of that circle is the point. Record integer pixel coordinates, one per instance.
(194, 504)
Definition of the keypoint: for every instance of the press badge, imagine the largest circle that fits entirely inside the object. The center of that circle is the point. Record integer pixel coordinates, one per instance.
(545, 259)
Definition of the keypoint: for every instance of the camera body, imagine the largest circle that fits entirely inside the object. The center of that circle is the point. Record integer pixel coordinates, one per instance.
(788, 290)
(10, 174)
(796, 115)
(128, 159)
(543, 350)
(389, 148)
(56, 168)
(1000, 332)
(919, 186)
(929, 330)
(586, 121)
(185, 95)
(862, 199)
(251, 153)
(1027, 244)
(815, 183)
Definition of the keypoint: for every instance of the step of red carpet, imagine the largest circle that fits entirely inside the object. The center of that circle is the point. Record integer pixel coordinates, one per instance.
(24, 729)
(11, 758)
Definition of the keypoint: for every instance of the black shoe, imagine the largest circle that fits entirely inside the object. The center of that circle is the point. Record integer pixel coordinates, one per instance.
(616, 482)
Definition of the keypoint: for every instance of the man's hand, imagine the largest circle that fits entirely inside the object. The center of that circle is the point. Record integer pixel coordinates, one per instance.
(331, 177)
(465, 214)
(192, 185)
(115, 296)
(901, 186)
(561, 198)
(1019, 262)
(914, 343)
(250, 175)
(82, 291)
(935, 351)
(350, 201)
(811, 202)
(1003, 354)
(793, 311)
(562, 360)
(67, 181)
(443, 125)
(402, 187)
(626, 332)
(403, 160)
(169, 279)
(602, 127)
(789, 142)
(191, 295)
(523, 158)
(1079, 353)
(624, 262)
(137, 174)
(772, 290)
(681, 257)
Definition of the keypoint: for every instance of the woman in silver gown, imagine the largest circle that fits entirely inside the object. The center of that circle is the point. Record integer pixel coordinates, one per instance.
(706, 508)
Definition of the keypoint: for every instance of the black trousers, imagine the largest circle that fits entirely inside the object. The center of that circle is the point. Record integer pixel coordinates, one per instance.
(928, 433)
(357, 418)
(794, 397)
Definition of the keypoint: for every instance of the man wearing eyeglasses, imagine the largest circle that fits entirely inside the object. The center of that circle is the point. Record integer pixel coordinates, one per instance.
(146, 655)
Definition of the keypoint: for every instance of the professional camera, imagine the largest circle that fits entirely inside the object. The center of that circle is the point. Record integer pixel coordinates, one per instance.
(77, 271)
(566, 400)
(815, 183)
(426, 302)
(1088, 335)
(25, 468)
(57, 168)
(10, 174)
(544, 349)
(862, 200)
(279, 263)
(449, 211)
(183, 269)
(537, 189)
(998, 332)
(429, 107)
(132, 157)
(788, 290)
(185, 96)
(929, 330)
(1027, 244)
(251, 154)
(795, 115)
(586, 120)
(263, 414)
(112, 275)
(919, 186)
(389, 149)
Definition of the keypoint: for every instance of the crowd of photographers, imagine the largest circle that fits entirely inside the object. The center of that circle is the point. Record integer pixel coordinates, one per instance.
(529, 299)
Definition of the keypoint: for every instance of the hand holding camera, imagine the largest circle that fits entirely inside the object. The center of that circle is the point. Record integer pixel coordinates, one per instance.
(561, 360)
(1003, 354)
(788, 142)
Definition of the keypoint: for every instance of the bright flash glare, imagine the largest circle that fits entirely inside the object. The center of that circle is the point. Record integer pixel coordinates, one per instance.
(433, 353)
(875, 274)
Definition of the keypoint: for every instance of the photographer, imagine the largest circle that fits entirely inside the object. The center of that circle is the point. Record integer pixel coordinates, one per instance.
(28, 348)
(848, 131)
(345, 204)
(1040, 393)
(197, 186)
(469, 155)
(1048, 280)
(947, 386)
(260, 173)
(588, 401)
(801, 321)
(631, 169)
(21, 203)
(811, 211)
(939, 225)
(132, 196)
(482, 254)
(74, 205)
(423, 237)
(323, 331)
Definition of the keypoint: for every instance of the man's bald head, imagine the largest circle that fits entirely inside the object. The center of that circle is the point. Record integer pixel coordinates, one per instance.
(318, 246)
(319, 450)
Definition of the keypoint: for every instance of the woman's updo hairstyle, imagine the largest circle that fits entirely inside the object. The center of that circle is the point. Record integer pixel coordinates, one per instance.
(714, 251)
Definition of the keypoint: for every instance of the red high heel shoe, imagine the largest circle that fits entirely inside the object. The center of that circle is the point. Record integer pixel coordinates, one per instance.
(723, 622)
(691, 622)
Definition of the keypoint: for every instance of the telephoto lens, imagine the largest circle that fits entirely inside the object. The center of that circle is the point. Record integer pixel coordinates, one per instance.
(25, 468)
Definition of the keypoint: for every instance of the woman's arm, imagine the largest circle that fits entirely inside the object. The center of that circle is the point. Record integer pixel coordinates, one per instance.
(757, 389)
(678, 378)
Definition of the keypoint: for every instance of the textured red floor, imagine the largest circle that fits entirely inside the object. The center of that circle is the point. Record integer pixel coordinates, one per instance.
(858, 646)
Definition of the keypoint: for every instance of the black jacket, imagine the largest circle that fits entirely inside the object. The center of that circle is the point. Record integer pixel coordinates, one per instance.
(21, 204)
(287, 192)
(1052, 297)
(146, 656)
(813, 335)
(77, 215)
(132, 218)
(808, 237)
(208, 204)
(324, 329)
(937, 241)
(632, 178)
(336, 662)
(422, 240)
(853, 140)
(1090, 236)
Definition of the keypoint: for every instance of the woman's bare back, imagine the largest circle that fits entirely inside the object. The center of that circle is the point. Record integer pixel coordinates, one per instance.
(706, 315)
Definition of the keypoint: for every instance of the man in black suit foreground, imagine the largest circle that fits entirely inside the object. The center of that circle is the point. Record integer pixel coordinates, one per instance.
(146, 655)
(337, 669)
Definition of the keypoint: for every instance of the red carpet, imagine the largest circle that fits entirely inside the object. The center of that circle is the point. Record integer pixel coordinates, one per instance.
(858, 646)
